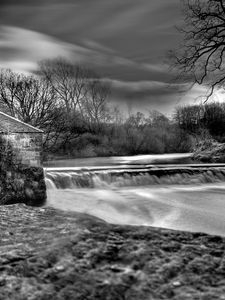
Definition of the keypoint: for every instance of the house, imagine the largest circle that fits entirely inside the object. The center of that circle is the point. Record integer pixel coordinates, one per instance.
(25, 139)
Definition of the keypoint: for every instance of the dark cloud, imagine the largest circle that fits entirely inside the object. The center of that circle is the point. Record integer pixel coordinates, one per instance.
(32, 2)
(133, 89)
(124, 40)
(142, 30)
(145, 95)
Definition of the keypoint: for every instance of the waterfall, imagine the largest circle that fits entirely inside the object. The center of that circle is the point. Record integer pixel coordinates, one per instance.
(180, 197)
(122, 177)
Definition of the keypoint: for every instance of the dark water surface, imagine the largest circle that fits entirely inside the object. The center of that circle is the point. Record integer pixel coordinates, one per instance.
(122, 160)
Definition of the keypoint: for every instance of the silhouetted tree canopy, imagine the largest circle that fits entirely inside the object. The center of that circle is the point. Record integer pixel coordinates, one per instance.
(202, 53)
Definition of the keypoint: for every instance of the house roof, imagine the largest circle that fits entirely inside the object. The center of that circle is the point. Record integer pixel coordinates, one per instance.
(13, 125)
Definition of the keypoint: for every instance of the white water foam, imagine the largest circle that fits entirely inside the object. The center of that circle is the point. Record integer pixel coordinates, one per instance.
(188, 208)
(189, 198)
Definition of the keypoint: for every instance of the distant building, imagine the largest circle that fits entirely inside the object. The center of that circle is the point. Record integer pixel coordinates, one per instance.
(25, 139)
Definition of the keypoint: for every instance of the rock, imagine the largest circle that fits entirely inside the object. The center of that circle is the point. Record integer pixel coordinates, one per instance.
(91, 259)
(60, 268)
(210, 152)
(176, 283)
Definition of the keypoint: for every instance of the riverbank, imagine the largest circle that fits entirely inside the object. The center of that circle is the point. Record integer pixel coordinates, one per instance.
(51, 254)
(210, 152)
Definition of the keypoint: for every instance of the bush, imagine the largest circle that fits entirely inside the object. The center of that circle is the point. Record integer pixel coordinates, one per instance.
(7, 155)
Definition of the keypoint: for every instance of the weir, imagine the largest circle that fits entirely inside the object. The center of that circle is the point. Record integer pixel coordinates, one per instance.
(189, 197)
(109, 177)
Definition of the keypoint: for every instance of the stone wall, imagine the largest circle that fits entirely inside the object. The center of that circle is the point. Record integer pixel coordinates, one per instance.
(27, 147)
(22, 185)
(21, 176)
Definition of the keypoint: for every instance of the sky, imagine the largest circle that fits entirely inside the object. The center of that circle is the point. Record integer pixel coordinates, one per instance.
(125, 41)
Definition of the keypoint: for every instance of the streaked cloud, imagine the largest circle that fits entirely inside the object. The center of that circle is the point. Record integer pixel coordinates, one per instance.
(134, 88)
(20, 49)
(124, 40)
(163, 96)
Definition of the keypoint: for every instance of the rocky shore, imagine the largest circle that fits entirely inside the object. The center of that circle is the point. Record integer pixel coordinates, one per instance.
(210, 152)
(51, 254)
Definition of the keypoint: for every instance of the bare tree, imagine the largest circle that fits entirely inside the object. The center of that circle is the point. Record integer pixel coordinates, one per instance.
(202, 54)
(134, 127)
(32, 100)
(157, 119)
(79, 89)
(63, 100)
(68, 81)
(190, 118)
(94, 106)
(26, 97)
(116, 115)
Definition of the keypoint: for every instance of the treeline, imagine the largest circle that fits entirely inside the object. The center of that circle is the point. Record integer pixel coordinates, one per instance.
(203, 120)
(136, 134)
(70, 103)
(65, 101)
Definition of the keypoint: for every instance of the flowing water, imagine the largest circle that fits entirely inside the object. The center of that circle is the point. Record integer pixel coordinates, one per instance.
(164, 191)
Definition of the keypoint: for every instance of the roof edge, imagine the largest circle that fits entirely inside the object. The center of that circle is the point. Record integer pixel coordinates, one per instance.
(26, 124)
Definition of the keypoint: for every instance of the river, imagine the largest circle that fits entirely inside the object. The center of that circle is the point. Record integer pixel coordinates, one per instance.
(169, 191)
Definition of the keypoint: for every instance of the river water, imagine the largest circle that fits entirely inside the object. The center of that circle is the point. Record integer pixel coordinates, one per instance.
(168, 191)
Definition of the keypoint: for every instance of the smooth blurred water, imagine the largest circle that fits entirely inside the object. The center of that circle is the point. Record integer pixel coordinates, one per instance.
(181, 197)
(122, 160)
(188, 208)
